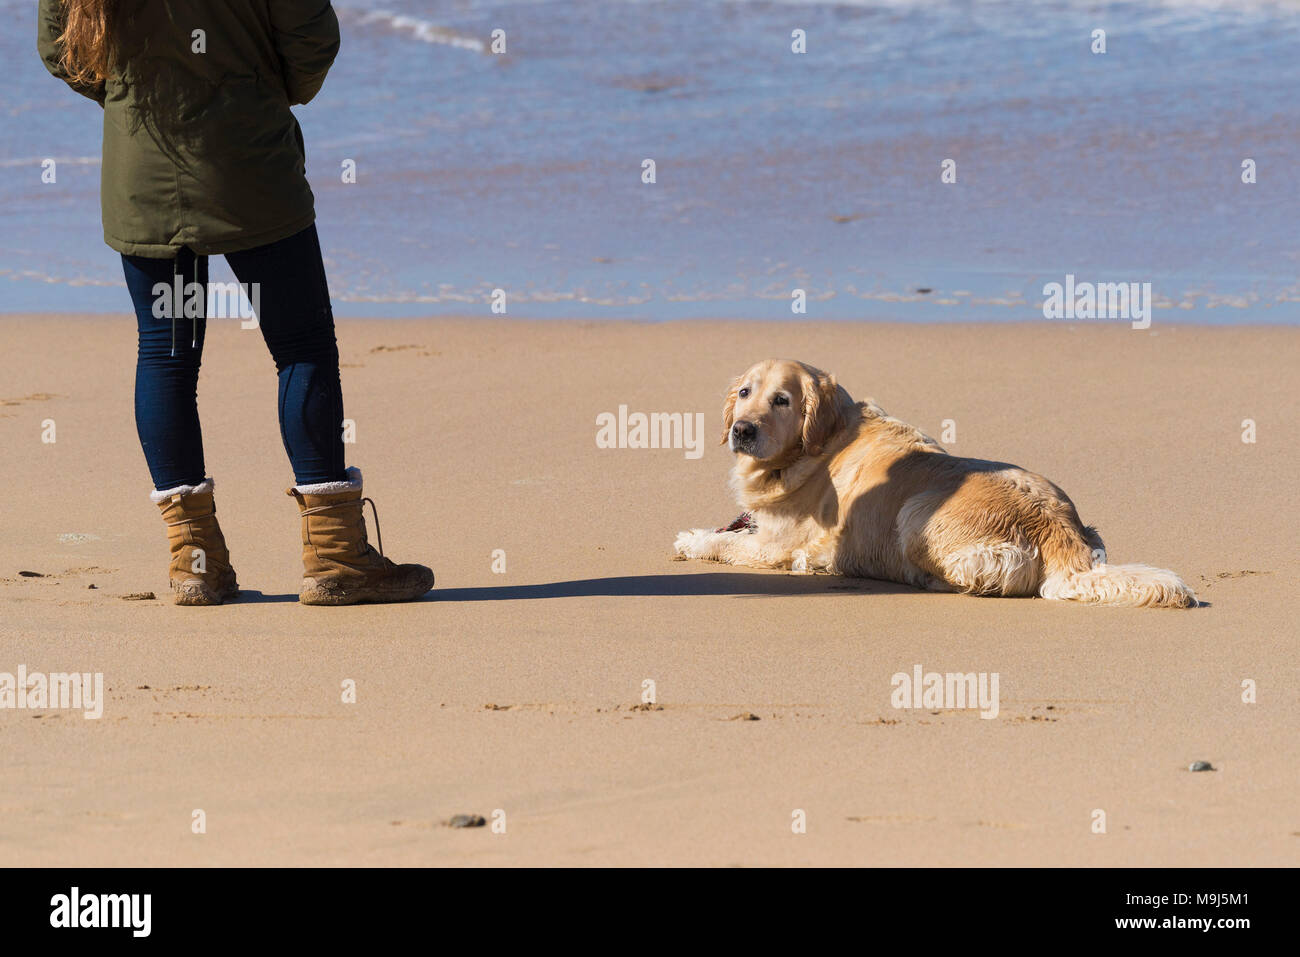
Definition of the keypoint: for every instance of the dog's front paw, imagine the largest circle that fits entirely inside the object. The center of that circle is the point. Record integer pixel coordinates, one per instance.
(692, 544)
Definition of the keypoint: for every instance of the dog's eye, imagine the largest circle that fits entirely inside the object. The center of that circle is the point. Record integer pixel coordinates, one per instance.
(743, 393)
(780, 400)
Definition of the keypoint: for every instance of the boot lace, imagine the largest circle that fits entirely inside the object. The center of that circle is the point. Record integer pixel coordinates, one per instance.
(361, 504)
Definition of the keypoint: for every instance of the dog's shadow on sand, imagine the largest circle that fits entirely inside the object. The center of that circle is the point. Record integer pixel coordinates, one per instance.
(740, 584)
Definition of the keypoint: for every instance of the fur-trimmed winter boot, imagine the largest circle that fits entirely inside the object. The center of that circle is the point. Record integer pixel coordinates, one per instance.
(340, 566)
(200, 569)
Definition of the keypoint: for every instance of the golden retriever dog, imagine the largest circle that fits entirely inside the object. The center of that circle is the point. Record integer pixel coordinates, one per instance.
(837, 486)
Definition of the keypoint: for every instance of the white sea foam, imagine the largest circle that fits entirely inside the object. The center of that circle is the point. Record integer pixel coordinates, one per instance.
(426, 31)
(38, 160)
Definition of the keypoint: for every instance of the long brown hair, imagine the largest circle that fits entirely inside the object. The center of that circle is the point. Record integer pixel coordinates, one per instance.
(88, 39)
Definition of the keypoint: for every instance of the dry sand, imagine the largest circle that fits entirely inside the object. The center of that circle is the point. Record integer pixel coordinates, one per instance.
(480, 435)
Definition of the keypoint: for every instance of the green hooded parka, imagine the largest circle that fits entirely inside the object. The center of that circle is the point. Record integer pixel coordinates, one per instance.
(201, 148)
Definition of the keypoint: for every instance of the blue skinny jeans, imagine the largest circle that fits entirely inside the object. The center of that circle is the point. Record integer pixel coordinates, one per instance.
(286, 279)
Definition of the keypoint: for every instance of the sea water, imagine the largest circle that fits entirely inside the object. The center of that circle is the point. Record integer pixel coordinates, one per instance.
(774, 170)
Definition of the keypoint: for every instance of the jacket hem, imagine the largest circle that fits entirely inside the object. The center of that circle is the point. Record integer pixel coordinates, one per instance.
(235, 244)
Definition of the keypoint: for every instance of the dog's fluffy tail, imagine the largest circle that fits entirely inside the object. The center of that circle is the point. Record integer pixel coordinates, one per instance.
(1132, 585)
(1075, 569)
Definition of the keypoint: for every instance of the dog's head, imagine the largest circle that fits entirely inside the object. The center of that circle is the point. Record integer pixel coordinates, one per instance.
(779, 409)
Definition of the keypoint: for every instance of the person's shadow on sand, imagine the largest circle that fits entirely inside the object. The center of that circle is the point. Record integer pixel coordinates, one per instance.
(253, 596)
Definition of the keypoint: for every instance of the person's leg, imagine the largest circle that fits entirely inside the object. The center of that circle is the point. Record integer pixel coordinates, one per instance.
(167, 366)
(170, 320)
(286, 282)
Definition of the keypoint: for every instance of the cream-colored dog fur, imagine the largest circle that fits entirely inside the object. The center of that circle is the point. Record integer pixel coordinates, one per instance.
(838, 486)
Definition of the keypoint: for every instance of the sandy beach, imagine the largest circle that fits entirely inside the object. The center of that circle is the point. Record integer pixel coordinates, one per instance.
(514, 693)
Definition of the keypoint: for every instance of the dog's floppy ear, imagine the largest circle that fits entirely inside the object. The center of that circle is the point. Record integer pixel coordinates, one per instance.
(822, 415)
(729, 410)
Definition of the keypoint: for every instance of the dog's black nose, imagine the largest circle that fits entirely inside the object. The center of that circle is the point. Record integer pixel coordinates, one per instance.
(743, 431)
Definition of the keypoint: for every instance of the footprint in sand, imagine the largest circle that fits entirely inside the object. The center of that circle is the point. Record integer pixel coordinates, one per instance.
(57, 578)
(1207, 581)
(34, 397)
(424, 350)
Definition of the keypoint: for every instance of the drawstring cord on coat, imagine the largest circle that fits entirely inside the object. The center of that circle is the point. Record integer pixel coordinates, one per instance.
(177, 306)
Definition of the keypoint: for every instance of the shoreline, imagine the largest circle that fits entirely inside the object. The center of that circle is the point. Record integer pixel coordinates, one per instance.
(1156, 324)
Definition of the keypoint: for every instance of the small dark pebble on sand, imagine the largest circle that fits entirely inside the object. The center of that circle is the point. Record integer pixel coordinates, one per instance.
(745, 716)
(1201, 766)
(467, 820)
(32, 575)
